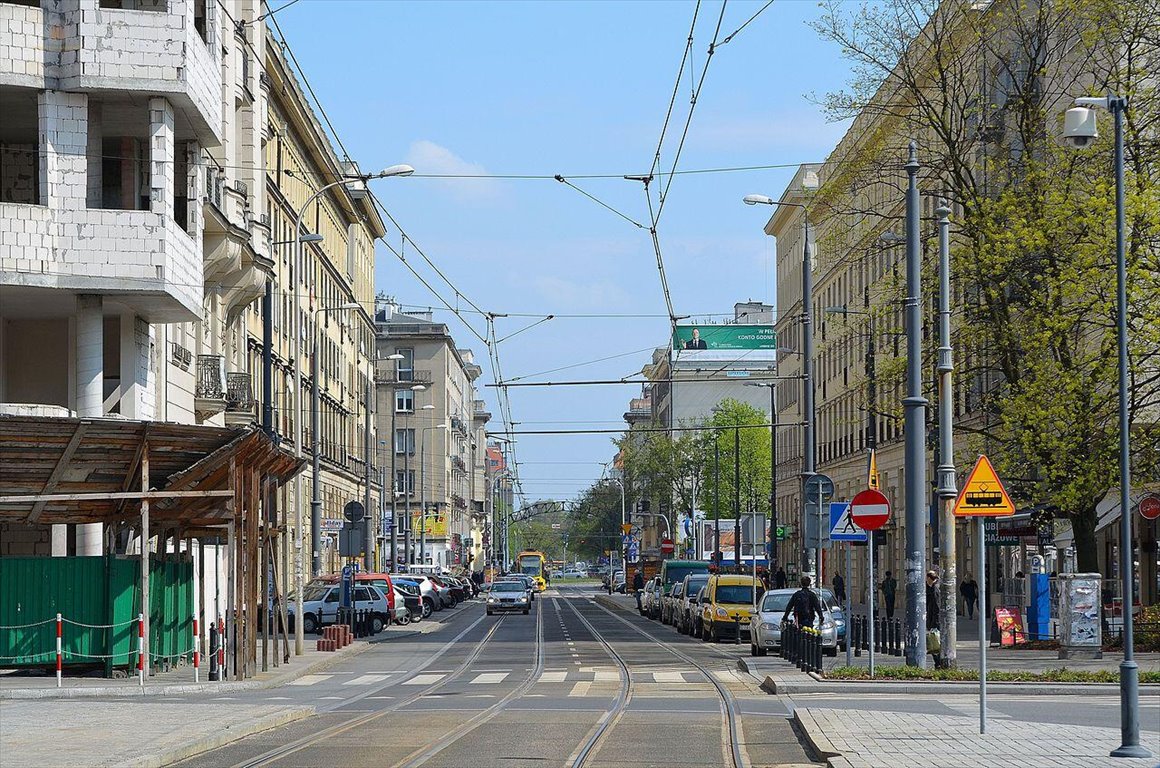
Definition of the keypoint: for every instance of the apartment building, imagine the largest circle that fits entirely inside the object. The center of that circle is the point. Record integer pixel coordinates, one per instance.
(429, 403)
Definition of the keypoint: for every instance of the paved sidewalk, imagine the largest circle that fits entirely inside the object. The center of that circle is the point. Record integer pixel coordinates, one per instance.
(179, 680)
(874, 739)
(131, 734)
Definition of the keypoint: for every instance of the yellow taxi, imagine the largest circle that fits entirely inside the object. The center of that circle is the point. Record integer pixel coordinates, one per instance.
(730, 600)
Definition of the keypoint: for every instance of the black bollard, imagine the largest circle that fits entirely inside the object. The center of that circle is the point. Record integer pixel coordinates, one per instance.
(214, 672)
(856, 639)
(896, 650)
(737, 626)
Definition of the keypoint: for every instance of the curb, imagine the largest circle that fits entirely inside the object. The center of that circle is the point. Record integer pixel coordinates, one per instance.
(182, 689)
(854, 687)
(233, 733)
(816, 737)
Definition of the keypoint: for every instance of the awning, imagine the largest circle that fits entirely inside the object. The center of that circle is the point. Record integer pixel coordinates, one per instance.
(1108, 510)
(89, 470)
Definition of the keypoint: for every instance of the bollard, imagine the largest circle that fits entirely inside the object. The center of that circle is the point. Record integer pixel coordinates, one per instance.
(866, 633)
(214, 673)
(141, 649)
(804, 651)
(818, 653)
(737, 628)
(196, 652)
(897, 649)
(878, 633)
(58, 652)
(856, 639)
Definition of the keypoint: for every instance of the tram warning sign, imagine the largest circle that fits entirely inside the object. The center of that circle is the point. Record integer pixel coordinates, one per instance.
(983, 494)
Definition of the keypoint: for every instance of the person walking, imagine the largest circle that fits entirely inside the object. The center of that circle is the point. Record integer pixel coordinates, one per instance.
(889, 592)
(779, 578)
(970, 592)
(638, 589)
(934, 639)
(804, 604)
(840, 588)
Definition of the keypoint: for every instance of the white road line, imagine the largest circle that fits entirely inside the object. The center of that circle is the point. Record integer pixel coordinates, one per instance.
(553, 677)
(606, 676)
(668, 677)
(423, 680)
(367, 679)
(310, 679)
(580, 689)
(489, 677)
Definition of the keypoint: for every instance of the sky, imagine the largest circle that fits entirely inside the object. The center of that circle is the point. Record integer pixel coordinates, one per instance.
(571, 88)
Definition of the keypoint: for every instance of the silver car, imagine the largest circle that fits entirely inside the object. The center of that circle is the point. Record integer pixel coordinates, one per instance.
(766, 628)
(508, 596)
(320, 603)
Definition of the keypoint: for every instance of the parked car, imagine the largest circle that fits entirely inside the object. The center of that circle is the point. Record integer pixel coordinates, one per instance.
(767, 625)
(699, 601)
(446, 596)
(728, 610)
(688, 607)
(651, 600)
(573, 574)
(618, 583)
(508, 596)
(669, 602)
(839, 615)
(320, 603)
(673, 571)
(380, 580)
(427, 590)
(408, 603)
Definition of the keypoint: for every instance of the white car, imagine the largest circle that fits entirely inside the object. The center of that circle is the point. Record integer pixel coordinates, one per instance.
(573, 574)
(320, 603)
(766, 628)
(508, 596)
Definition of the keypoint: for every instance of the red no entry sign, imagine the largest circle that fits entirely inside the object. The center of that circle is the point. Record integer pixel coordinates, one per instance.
(667, 547)
(870, 510)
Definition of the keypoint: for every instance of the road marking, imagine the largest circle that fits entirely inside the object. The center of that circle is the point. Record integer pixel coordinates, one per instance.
(277, 698)
(310, 679)
(380, 697)
(368, 679)
(580, 689)
(489, 677)
(727, 675)
(331, 698)
(553, 677)
(606, 676)
(668, 677)
(423, 680)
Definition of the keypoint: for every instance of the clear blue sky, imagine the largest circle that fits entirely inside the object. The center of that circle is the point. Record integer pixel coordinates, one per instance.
(571, 88)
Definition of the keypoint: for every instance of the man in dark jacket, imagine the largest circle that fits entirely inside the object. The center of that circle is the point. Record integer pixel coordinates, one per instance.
(804, 604)
(638, 588)
(779, 578)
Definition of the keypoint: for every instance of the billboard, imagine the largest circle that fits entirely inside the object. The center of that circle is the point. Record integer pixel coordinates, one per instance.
(725, 342)
(435, 524)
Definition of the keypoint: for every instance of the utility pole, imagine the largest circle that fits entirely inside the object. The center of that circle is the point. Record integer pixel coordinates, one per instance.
(809, 453)
(947, 491)
(368, 458)
(914, 406)
(737, 496)
(717, 497)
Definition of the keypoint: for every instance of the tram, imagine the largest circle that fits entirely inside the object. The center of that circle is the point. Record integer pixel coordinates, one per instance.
(534, 564)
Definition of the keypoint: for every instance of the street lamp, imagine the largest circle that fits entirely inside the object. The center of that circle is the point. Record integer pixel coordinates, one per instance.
(772, 385)
(1079, 130)
(423, 486)
(809, 468)
(315, 418)
(315, 536)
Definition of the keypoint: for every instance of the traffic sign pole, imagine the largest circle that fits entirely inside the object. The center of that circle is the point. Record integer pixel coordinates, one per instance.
(873, 589)
(982, 625)
(849, 615)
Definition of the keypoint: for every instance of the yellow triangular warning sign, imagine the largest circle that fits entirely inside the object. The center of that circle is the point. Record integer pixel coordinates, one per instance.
(872, 480)
(983, 494)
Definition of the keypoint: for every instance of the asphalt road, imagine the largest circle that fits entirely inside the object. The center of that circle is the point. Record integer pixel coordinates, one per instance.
(572, 684)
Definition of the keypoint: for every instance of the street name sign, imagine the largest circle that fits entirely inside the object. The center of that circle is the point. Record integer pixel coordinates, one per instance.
(842, 526)
(870, 510)
(983, 494)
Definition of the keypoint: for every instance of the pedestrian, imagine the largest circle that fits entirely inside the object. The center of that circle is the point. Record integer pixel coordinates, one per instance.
(840, 588)
(779, 578)
(889, 591)
(638, 589)
(970, 592)
(804, 604)
(933, 639)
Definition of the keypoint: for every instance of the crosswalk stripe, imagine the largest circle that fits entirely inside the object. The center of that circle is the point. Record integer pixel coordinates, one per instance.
(668, 677)
(310, 679)
(367, 680)
(607, 676)
(423, 680)
(580, 689)
(489, 677)
(553, 677)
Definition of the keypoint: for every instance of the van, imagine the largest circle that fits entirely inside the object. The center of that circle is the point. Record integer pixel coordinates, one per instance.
(673, 571)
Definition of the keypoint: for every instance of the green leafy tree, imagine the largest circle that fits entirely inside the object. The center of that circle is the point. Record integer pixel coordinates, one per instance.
(594, 521)
(753, 482)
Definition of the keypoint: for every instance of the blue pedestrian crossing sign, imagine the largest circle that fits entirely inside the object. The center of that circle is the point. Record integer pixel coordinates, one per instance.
(842, 527)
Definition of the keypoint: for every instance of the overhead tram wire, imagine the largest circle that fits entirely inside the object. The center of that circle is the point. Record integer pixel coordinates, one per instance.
(270, 13)
(676, 87)
(729, 38)
(599, 202)
(597, 382)
(665, 430)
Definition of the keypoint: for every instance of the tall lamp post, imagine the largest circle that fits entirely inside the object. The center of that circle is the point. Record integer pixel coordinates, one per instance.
(1079, 130)
(809, 467)
(315, 533)
(423, 487)
(772, 386)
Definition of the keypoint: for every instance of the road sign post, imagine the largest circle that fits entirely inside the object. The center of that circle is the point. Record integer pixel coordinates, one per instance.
(983, 497)
(870, 510)
(819, 489)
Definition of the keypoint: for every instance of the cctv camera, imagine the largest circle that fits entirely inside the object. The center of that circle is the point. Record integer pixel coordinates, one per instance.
(1079, 127)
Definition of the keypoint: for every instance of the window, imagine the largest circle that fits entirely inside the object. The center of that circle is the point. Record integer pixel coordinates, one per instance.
(404, 401)
(406, 366)
(405, 481)
(405, 441)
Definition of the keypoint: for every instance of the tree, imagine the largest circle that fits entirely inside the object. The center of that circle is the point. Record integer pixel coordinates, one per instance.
(663, 467)
(754, 481)
(594, 521)
(981, 87)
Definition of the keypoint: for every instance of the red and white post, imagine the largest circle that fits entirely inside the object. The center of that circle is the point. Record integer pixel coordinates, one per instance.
(58, 653)
(196, 651)
(141, 649)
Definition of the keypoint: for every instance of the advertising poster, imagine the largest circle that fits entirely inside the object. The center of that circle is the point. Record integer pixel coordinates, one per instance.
(724, 343)
(1009, 622)
(435, 524)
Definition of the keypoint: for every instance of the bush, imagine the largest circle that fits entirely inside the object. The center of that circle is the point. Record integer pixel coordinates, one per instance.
(1062, 675)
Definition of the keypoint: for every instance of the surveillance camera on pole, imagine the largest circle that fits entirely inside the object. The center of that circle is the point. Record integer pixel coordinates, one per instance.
(1079, 127)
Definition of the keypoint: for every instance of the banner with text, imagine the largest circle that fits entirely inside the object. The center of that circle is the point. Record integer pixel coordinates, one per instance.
(725, 343)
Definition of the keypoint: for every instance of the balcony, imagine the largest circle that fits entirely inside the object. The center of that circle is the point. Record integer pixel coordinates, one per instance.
(459, 425)
(210, 387)
(459, 464)
(388, 375)
(239, 399)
